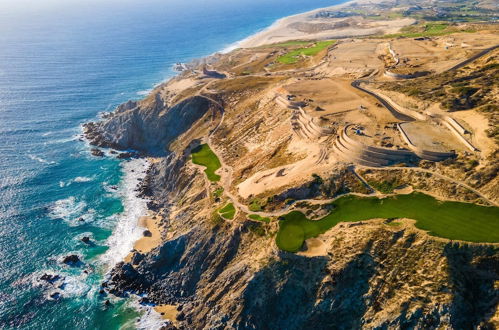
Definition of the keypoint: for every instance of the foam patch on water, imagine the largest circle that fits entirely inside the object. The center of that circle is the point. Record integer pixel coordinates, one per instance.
(75, 286)
(70, 210)
(78, 179)
(41, 160)
(127, 230)
(144, 92)
(149, 319)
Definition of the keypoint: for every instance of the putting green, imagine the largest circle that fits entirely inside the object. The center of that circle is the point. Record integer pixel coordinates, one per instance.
(228, 211)
(203, 155)
(452, 220)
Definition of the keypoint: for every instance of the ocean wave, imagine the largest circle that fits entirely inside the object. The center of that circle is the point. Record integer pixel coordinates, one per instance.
(75, 286)
(41, 160)
(127, 230)
(78, 179)
(150, 319)
(71, 211)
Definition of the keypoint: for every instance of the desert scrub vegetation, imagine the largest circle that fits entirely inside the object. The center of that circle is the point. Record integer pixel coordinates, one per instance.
(472, 87)
(257, 205)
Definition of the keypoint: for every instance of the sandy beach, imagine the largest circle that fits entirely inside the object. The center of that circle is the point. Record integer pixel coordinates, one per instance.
(307, 27)
(147, 243)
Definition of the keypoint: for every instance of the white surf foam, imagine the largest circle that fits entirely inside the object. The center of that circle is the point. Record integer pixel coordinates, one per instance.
(150, 319)
(127, 230)
(144, 92)
(41, 160)
(75, 286)
(78, 179)
(69, 210)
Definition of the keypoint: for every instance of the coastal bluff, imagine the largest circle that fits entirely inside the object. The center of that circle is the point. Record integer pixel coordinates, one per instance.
(147, 126)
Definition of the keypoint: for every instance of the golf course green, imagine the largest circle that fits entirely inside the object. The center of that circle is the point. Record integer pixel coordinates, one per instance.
(204, 156)
(228, 211)
(451, 220)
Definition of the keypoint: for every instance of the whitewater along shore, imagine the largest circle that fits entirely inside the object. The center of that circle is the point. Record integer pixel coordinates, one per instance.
(213, 269)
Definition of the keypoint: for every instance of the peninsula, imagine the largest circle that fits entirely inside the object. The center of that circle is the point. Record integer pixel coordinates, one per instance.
(337, 170)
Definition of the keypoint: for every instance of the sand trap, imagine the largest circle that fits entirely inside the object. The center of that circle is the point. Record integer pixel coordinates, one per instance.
(315, 248)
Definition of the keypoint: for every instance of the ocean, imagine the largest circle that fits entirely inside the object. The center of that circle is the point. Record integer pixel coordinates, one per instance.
(61, 64)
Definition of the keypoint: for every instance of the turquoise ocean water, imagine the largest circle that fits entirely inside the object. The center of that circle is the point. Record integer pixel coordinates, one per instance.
(61, 63)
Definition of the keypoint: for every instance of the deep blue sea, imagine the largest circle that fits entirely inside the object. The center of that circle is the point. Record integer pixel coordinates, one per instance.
(61, 63)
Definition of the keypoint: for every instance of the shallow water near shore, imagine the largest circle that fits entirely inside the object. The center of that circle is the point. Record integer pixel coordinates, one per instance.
(60, 65)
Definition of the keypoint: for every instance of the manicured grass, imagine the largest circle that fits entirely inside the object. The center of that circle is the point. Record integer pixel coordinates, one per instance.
(228, 211)
(259, 218)
(202, 155)
(294, 55)
(452, 220)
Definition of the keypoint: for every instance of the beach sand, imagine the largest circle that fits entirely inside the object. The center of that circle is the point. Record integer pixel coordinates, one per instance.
(168, 312)
(288, 28)
(148, 243)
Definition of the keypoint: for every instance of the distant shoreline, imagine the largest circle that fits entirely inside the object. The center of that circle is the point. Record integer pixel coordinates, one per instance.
(279, 33)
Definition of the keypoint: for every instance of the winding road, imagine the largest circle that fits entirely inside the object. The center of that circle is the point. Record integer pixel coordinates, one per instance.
(226, 171)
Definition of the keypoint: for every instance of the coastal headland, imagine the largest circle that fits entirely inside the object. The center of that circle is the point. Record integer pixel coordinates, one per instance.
(337, 169)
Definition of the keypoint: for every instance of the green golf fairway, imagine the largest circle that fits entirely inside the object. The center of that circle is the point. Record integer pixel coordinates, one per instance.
(452, 220)
(203, 155)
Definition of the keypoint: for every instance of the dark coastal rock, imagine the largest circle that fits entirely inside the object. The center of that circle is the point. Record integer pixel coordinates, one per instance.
(71, 260)
(127, 155)
(153, 206)
(85, 239)
(168, 326)
(50, 278)
(97, 152)
(137, 258)
(147, 233)
(180, 316)
(147, 126)
(55, 295)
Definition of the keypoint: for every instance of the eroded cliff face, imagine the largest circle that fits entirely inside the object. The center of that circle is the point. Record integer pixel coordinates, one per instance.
(148, 126)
